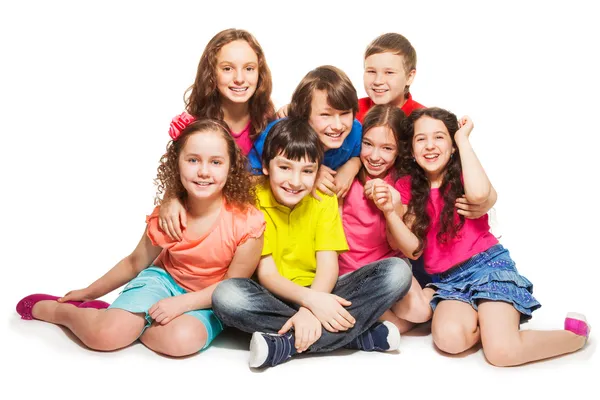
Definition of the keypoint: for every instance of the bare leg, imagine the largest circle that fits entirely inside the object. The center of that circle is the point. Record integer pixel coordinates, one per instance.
(182, 336)
(454, 326)
(104, 330)
(412, 309)
(505, 345)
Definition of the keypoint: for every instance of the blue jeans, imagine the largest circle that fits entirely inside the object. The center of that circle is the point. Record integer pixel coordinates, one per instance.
(372, 289)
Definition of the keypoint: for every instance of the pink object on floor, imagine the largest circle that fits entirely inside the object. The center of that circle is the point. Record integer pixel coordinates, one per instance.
(577, 324)
(26, 304)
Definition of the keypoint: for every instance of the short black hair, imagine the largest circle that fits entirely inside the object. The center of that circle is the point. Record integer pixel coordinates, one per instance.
(294, 139)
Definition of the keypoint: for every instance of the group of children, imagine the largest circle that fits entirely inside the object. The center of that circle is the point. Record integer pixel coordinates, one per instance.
(299, 230)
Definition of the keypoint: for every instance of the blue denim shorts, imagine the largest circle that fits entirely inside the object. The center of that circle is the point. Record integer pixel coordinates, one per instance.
(490, 275)
(154, 284)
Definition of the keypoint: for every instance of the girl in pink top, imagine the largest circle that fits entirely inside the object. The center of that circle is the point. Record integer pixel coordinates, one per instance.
(167, 302)
(479, 295)
(233, 84)
(365, 221)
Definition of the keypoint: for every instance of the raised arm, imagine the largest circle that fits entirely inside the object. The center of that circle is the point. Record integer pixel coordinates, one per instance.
(478, 187)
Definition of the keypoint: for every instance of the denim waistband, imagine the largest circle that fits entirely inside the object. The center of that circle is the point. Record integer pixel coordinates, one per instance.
(465, 265)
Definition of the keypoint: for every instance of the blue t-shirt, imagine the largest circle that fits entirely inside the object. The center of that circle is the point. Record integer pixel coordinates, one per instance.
(334, 158)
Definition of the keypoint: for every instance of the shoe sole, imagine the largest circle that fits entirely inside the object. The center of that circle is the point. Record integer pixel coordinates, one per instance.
(259, 350)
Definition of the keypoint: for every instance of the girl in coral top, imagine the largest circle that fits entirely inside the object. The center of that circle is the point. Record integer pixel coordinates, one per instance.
(479, 294)
(166, 302)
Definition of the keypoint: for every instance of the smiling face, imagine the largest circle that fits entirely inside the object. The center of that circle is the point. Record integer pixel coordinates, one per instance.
(333, 126)
(291, 180)
(385, 78)
(204, 165)
(237, 71)
(378, 151)
(432, 147)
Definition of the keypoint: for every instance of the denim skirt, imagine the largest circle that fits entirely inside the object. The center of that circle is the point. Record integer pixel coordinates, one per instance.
(489, 275)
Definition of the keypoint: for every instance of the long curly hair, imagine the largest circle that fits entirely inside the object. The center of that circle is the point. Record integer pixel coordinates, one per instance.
(203, 100)
(238, 190)
(392, 117)
(450, 189)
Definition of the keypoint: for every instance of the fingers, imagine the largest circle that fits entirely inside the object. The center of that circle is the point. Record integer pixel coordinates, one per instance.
(286, 327)
(301, 337)
(327, 325)
(326, 187)
(183, 219)
(315, 195)
(173, 230)
(342, 301)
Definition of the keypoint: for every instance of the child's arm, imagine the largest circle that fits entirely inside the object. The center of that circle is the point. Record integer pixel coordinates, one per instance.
(474, 211)
(478, 187)
(124, 271)
(389, 201)
(345, 176)
(327, 271)
(242, 265)
(172, 217)
(328, 308)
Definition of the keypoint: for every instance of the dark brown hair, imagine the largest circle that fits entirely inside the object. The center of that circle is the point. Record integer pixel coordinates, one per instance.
(397, 44)
(238, 190)
(450, 189)
(341, 94)
(391, 117)
(294, 139)
(204, 100)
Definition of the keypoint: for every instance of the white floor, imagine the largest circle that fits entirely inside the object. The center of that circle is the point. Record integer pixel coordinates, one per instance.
(46, 362)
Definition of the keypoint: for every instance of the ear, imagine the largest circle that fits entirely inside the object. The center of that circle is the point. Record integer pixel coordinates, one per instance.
(410, 77)
(265, 170)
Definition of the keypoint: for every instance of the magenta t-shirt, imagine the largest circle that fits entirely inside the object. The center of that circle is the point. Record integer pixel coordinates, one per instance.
(472, 239)
(365, 229)
(243, 139)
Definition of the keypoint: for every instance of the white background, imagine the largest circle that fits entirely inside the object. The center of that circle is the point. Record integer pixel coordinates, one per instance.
(88, 91)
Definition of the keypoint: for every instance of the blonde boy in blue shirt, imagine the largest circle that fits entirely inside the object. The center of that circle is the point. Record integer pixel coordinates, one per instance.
(300, 304)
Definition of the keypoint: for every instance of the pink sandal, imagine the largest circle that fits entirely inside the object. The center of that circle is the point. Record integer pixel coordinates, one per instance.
(26, 304)
(577, 324)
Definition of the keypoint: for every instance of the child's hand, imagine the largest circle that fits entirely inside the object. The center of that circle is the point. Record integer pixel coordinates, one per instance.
(77, 295)
(386, 198)
(342, 182)
(169, 216)
(369, 188)
(330, 311)
(465, 127)
(283, 111)
(470, 210)
(307, 329)
(165, 310)
(325, 182)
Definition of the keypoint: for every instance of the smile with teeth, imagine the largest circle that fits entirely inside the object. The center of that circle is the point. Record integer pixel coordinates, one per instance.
(379, 90)
(201, 183)
(374, 165)
(239, 89)
(334, 135)
(291, 191)
(431, 157)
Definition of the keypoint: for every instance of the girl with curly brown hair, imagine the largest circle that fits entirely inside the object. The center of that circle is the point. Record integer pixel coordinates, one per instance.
(233, 84)
(479, 294)
(166, 303)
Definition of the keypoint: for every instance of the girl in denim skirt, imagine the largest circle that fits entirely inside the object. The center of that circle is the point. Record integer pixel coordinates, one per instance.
(479, 293)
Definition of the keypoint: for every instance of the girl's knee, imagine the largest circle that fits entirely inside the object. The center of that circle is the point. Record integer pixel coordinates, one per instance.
(108, 337)
(501, 353)
(453, 338)
(180, 342)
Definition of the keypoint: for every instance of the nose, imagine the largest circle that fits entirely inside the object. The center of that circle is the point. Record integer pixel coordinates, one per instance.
(378, 79)
(429, 144)
(375, 154)
(295, 180)
(337, 123)
(203, 170)
(239, 76)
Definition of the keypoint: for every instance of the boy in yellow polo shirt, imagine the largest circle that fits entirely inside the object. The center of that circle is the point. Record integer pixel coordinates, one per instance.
(300, 304)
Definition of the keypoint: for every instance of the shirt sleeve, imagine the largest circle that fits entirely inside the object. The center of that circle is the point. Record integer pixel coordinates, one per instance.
(402, 185)
(156, 235)
(356, 134)
(252, 225)
(330, 231)
(255, 154)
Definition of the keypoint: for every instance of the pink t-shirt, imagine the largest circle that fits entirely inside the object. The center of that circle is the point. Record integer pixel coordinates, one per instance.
(472, 239)
(365, 229)
(196, 263)
(243, 139)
